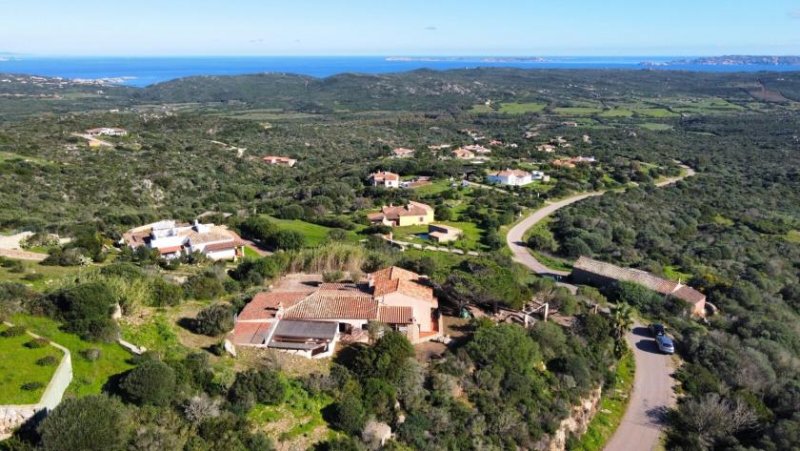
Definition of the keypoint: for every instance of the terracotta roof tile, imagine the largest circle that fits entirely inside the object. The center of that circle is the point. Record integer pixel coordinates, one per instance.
(169, 250)
(640, 277)
(335, 305)
(265, 304)
(251, 333)
(395, 315)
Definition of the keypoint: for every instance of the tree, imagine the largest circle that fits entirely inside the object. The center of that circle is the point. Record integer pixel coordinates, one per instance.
(152, 382)
(165, 293)
(214, 320)
(621, 323)
(713, 417)
(85, 309)
(204, 286)
(443, 213)
(257, 386)
(258, 228)
(506, 347)
(542, 242)
(637, 296)
(94, 422)
(288, 240)
(348, 414)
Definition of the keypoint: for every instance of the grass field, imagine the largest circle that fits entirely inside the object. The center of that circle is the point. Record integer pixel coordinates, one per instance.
(18, 366)
(481, 108)
(616, 112)
(654, 126)
(469, 241)
(707, 106)
(612, 408)
(793, 236)
(435, 187)
(522, 107)
(577, 111)
(315, 234)
(88, 377)
(655, 112)
(250, 253)
(158, 333)
(30, 275)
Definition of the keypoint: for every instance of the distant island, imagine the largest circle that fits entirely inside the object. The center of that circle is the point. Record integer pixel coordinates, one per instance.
(466, 59)
(733, 60)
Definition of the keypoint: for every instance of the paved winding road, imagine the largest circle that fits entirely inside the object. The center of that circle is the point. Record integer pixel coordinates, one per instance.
(652, 386)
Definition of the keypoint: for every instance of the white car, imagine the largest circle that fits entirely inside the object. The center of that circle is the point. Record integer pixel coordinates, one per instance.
(665, 344)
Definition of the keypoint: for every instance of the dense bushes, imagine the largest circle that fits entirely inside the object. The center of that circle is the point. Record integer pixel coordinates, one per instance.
(151, 382)
(85, 309)
(214, 320)
(257, 386)
(92, 423)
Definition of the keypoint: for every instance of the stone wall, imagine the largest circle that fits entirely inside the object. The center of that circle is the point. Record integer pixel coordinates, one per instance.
(14, 416)
(576, 423)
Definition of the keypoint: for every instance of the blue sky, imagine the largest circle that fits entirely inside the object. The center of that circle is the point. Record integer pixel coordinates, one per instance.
(389, 27)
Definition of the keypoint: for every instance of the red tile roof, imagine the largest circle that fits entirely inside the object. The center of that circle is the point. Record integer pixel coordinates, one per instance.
(251, 333)
(334, 305)
(394, 212)
(384, 175)
(265, 305)
(393, 272)
(169, 250)
(399, 280)
(215, 247)
(395, 315)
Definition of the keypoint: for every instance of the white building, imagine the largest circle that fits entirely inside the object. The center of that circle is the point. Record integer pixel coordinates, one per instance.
(385, 179)
(510, 177)
(107, 131)
(173, 240)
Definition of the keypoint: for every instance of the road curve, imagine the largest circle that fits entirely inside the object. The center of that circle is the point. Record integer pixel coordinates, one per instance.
(653, 392)
(515, 235)
(515, 240)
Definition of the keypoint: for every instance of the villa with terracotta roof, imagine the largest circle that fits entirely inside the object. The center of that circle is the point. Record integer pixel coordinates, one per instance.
(463, 154)
(570, 163)
(477, 149)
(310, 321)
(593, 272)
(415, 213)
(385, 179)
(173, 240)
(280, 161)
(402, 152)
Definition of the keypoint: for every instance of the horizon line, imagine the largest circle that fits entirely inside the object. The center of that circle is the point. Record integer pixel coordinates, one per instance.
(390, 55)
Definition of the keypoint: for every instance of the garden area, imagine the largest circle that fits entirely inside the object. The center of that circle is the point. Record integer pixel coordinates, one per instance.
(93, 363)
(26, 366)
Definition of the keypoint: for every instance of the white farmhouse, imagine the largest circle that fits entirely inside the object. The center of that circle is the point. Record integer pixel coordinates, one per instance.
(510, 177)
(173, 240)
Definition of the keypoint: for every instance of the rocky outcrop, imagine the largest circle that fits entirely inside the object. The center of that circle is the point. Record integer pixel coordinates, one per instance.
(577, 422)
(12, 417)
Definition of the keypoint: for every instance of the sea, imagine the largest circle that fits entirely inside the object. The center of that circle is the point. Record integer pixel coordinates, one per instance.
(144, 71)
